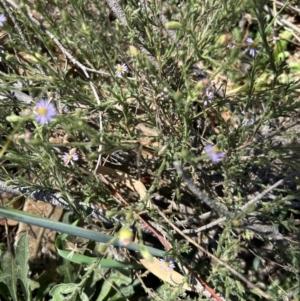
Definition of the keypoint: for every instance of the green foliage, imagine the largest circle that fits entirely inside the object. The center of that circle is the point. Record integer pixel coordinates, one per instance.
(171, 55)
(14, 271)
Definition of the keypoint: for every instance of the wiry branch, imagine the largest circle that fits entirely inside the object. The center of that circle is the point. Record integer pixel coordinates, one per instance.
(54, 199)
(269, 231)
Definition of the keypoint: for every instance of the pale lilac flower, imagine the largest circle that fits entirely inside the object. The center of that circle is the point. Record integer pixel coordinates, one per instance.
(249, 118)
(16, 137)
(26, 112)
(214, 153)
(2, 19)
(121, 69)
(69, 157)
(253, 47)
(44, 111)
(28, 136)
(205, 82)
(18, 85)
(208, 97)
(167, 264)
(230, 45)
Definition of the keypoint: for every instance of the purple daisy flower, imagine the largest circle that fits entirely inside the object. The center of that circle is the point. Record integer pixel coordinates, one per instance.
(167, 264)
(253, 47)
(214, 153)
(69, 157)
(208, 97)
(44, 111)
(249, 118)
(18, 85)
(121, 69)
(2, 19)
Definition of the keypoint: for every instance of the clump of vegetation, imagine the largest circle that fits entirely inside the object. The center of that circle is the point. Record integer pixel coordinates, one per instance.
(159, 139)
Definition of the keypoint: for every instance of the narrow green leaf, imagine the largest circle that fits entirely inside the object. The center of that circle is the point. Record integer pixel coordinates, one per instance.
(105, 289)
(3, 277)
(59, 292)
(31, 219)
(256, 263)
(22, 257)
(67, 272)
(83, 259)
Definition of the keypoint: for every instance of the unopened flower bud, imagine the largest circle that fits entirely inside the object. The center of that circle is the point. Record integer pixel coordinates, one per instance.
(125, 236)
(173, 25)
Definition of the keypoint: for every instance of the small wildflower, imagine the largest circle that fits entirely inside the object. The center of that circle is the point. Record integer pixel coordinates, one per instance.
(73, 248)
(121, 69)
(70, 157)
(27, 136)
(18, 85)
(214, 153)
(16, 137)
(253, 47)
(205, 82)
(2, 19)
(249, 118)
(208, 97)
(26, 112)
(44, 111)
(167, 264)
(230, 45)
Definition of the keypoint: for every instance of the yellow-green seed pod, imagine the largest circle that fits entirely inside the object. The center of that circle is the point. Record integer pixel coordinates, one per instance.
(174, 25)
(145, 253)
(22, 4)
(185, 153)
(101, 248)
(8, 183)
(223, 40)
(85, 28)
(64, 15)
(39, 56)
(125, 236)
(182, 53)
(110, 213)
(9, 57)
(221, 137)
(13, 118)
(236, 223)
(133, 51)
(129, 216)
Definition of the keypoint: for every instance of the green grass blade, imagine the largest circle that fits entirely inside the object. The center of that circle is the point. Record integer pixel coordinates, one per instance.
(31, 219)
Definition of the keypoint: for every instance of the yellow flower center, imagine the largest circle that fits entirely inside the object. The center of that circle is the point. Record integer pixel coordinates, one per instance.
(215, 150)
(120, 68)
(254, 44)
(42, 111)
